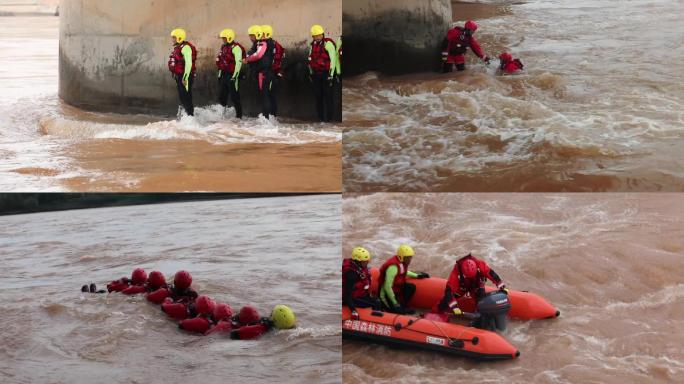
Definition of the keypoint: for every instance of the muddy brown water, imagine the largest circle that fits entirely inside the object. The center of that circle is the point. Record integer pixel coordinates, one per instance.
(598, 109)
(261, 252)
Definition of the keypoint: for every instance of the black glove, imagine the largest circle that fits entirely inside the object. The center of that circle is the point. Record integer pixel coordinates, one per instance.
(398, 310)
(422, 275)
(403, 310)
(487, 60)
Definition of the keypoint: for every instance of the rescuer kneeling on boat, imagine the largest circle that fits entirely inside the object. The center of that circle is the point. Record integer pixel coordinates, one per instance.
(467, 280)
(395, 292)
(356, 282)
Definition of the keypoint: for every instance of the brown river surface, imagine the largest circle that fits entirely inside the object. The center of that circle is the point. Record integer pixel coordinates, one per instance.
(600, 107)
(46, 145)
(261, 252)
(613, 264)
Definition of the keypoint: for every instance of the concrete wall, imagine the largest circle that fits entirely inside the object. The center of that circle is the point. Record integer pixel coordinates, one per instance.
(113, 53)
(394, 36)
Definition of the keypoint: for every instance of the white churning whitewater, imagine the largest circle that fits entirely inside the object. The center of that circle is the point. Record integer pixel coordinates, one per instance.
(208, 124)
(261, 252)
(601, 106)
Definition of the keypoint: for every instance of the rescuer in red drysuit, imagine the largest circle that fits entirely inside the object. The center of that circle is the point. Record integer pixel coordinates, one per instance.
(139, 282)
(211, 318)
(467, 280)
(456, 44)
(202, 313)
(154, 282)
(508, 65)
(138, 278)
(176, 299)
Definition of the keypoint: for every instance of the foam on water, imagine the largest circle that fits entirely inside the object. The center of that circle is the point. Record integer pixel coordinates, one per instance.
(208, 124)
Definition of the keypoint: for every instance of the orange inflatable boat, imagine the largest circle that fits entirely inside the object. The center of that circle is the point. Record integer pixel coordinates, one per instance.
(430, 333)
(524, 305)
(417, 332)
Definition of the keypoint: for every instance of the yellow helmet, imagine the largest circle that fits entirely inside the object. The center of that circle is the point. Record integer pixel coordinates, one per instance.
(317, 30)
(360, 254)
(268, 31)
(229, 34)
(179, 34)
(256, 31)
(405, 251)
(283, 317)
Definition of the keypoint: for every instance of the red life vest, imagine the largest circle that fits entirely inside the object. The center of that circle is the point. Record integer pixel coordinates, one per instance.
(319, 59)
(225, 61)
(134, 290)
(197, 325)
(399, 280)
(278, 55)
(119, 285)
(362, 286)
(249, 332)
(158, 296)
(178, 311)
(459, 42)
(177, 61)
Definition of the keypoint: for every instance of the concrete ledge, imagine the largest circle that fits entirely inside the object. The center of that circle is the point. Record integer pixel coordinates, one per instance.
(406, 34)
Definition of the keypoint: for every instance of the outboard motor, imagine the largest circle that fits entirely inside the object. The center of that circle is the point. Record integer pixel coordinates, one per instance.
(493, 308)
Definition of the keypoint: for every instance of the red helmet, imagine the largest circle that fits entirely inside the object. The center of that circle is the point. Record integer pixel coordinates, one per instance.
(182, 280)
(204, 305)
(222, 312)
(156, 279)
(469, 268)
(248, 315)
(471, 25)
(139, 276)
(505, 56)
